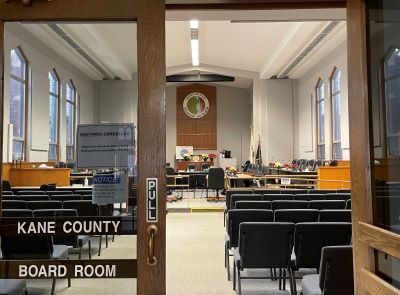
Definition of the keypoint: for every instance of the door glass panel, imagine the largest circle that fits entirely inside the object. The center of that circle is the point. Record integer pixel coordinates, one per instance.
(71, 91)
(384, 48)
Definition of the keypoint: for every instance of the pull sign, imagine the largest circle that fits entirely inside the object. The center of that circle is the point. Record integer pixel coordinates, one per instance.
(152, 199)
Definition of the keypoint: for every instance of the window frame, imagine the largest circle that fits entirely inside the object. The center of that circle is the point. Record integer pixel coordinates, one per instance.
(58, 98)
(25, 82)
(317, 102)
(332, 95)
(74, 104)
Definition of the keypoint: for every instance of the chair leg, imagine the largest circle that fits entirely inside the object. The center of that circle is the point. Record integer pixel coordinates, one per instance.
(106, 241)
(53, 286)
(284, 279)
(80, 252)
(272, 274)
(239, 281)
(234, 275)
(90, 248)
(280, 279)
(69, 282)
(100, 245)
(292, 281)
(227, 262)
(113, 238)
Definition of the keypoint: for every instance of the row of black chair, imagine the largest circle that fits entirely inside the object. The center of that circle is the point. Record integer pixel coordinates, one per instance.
(263, 244)
(62, 198)
(246, 203)
(50, 193)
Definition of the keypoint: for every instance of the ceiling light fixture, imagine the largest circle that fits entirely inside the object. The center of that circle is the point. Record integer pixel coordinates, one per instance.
(194, 42)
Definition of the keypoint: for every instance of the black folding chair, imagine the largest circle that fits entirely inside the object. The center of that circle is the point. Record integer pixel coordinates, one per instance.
(296, 215)
(263, 245)
(327, 204)
(284, 204)
(266, 205)
(309, 197)
(13, 204)
(30, 192)
(277, 197)
(335, 216)
(36, 205)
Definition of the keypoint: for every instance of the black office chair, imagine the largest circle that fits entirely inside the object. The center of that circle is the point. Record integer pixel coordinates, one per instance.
(333, 163)
(63, 198)
(311, 237)
(337, 196)
(234, 219)
(36, 205)
(335, 275)
(335, 216)
(311, 165)
(263, 245)
(48, 187)
(277, 197)
(263, 205)
(13, 204)
(205, 166)
(327, 204)
(191, 167)
(320, 163)
(216, 181)
(5, 186)
(32, 247)
(289, 204)
(296, 215)
(309, 197)
(77, 241)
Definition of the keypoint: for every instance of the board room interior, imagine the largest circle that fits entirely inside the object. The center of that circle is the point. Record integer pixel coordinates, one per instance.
(256, 104)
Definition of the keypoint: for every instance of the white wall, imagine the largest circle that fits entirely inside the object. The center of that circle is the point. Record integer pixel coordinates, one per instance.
(233, 122)
(304, 114)
(42, 60)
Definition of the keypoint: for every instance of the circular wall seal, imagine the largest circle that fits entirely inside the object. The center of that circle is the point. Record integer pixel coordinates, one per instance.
(196, 105)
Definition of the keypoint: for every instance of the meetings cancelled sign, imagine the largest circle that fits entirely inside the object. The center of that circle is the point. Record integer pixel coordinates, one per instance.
(105, 146)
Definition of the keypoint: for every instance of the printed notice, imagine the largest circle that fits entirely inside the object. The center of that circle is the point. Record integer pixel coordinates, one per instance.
(109, 188)
(105, 146)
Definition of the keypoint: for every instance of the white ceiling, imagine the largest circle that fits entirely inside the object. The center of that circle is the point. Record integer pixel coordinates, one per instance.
(243, 44)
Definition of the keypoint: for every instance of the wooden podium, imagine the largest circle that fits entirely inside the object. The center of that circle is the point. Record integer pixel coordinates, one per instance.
(39, 176)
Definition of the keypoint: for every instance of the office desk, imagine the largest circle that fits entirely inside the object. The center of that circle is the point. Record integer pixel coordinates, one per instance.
(39, 176)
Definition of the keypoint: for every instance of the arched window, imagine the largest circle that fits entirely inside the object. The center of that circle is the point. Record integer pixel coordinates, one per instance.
(335, 113)
(320, 102)
(70, 120)
(392, 99)
(18, 95)
(54, 104)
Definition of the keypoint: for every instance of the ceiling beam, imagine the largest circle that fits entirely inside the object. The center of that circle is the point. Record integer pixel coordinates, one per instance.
(212, 69)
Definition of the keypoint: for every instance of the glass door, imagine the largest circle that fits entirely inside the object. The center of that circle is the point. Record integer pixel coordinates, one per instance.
(83, 170)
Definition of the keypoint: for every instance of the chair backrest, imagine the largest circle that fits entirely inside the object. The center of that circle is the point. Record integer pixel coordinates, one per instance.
(34, 197)
(231, 192)
(341, 196)
(267, 191)
(13, 204)
(296, 215)
(327, 204)
(84, 192)
(276, 197)
(87, 197)
(265, 244)
(335, 216)
(235, 198)
(320, 163)
(63, 198)
(348, 204)
(205, 166)
(35, 205)
(284, 204)
(7, 193)
(10, 198)
(201, 180)
(311, 237)
(237, 216)
(5, 185)
(333, 163)
(25, 247)
(216, 178)
(336, 270)
(55, 213)
(265, 170)
(296, 191)
(54, 193)
(253, 205)
(31, 192)
(322, 191)
(344, 190)
(311, 164)
(309, 197)
(48, 187)
(191, 167)
(16, 213)
(84, 208)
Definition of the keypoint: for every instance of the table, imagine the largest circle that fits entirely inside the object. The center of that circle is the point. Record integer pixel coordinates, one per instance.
(39, 176)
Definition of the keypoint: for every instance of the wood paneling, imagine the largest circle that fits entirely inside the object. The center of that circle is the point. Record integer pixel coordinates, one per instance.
(150, 16)
(38, 176)
(375, 285)
(334, 177)
(5, 172)
(360, 147)
(200, 133)
(253, 4)
(380, 239)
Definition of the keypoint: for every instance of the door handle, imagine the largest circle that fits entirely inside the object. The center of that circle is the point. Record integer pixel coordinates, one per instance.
(152, 231)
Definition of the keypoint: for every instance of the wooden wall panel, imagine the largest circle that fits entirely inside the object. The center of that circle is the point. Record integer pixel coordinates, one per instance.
(201, 133)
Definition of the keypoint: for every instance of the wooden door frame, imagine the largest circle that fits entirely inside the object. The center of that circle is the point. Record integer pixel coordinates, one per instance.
(150, 18)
